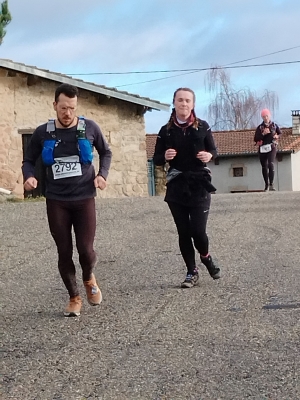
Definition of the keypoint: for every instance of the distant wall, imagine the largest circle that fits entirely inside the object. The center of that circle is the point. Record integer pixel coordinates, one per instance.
(295, 160)
(160, 181)
(225, 182)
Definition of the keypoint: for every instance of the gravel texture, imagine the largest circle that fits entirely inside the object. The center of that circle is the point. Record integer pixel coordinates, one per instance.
(235, 338)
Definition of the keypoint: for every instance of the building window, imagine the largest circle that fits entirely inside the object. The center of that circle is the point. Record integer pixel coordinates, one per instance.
(238, 171)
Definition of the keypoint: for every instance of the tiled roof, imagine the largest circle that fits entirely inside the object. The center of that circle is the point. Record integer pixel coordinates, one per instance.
(231, 143)
(150, 145)
(57, 77)
(241, 142)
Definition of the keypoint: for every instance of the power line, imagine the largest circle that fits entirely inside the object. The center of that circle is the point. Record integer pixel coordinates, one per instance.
(269, 54)
(158, 79)
(180, 70)
(207, 69)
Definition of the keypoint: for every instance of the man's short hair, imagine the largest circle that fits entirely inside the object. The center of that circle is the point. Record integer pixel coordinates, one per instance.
(66, 89)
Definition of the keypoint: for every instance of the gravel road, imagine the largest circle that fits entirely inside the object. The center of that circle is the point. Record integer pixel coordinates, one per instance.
(232, 339)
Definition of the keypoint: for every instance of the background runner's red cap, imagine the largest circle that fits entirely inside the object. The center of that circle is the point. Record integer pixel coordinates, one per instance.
(265, 111)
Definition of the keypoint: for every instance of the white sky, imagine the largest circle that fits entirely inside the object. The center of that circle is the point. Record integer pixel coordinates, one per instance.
(77, 37)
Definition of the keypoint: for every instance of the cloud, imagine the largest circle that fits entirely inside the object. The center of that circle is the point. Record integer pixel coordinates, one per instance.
(114, 36)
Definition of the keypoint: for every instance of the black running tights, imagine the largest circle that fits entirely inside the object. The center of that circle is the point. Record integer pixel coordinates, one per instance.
(191, 227)
(267, 161)
(62, 215)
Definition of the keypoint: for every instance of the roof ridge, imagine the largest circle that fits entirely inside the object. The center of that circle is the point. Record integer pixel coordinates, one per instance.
(90, 86)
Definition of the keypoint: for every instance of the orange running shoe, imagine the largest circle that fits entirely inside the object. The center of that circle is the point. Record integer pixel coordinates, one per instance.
(93, 292)
(74, 307)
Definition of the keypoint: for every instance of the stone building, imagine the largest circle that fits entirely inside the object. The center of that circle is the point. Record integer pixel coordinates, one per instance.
(26, 100)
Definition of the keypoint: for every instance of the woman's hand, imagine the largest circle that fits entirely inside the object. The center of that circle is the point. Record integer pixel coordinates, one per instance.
(170, 154)
(259, 143)
(204, 156)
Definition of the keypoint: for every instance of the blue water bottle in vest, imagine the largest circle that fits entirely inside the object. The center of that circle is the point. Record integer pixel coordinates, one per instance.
(48, 148)
(84, 146)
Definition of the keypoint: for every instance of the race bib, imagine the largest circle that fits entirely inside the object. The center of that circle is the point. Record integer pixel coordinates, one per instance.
(66, 167)
(266, 148)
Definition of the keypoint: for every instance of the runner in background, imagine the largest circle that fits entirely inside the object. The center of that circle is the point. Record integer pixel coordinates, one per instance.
(266, 137)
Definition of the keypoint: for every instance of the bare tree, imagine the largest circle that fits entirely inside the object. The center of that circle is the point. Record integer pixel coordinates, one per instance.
(5, 19)
(234, 109)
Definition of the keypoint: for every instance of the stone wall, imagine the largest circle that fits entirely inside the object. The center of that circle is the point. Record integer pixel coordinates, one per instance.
(24, 107)
(160, 181)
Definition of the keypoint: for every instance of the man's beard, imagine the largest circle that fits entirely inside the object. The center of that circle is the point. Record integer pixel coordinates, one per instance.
(66, 125)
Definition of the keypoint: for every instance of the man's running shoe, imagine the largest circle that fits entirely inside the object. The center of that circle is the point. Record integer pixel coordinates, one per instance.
(74, 307)
(93, 292)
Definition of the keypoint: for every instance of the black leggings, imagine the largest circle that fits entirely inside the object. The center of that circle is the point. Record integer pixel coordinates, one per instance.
(191, 227)
(267, 161)
(62, 215)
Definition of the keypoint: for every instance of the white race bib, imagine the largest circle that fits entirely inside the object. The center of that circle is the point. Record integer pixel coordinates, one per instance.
(66, 167)
(266, 148)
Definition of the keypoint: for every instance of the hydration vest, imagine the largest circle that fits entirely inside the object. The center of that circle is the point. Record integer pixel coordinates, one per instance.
(272, 126)
(84, 146)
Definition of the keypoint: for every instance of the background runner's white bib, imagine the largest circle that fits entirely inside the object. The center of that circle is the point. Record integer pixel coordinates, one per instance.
(66, 167)
(266, 148)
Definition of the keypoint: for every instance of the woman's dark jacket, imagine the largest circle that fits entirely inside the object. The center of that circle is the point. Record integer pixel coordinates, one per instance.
(193, 185)
(268, 138)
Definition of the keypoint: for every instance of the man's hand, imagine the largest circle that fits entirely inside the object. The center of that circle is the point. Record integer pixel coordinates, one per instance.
(170, 154)
(100, 182)
(204, 156)
(30, 184)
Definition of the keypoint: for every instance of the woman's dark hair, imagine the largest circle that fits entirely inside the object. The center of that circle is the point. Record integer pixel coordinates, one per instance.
(173, 114)
(66, 89)
(185, 89)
